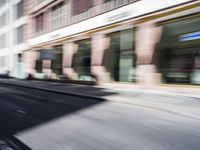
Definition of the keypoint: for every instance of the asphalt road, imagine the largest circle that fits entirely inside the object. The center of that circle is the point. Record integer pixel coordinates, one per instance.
(38, 120)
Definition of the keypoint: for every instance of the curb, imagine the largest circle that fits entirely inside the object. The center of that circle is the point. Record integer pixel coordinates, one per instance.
(75, 94)
(57, 91)
(164, 92)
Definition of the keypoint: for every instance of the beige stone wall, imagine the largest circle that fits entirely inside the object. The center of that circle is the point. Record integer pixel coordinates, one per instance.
(30, 58)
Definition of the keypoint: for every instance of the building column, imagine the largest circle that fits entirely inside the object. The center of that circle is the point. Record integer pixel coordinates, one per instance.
(30, 58)
(46, 67)
(99, 44)
(69, 49)
(147, 36)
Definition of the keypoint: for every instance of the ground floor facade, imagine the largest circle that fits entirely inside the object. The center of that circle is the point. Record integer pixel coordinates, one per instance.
(163, 47)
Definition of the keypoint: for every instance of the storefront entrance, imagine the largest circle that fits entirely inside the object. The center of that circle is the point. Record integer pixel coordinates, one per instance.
(119, 59)
(82, 60)
(56, 64)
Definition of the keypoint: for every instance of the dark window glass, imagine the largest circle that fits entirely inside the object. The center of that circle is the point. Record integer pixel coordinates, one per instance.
(20, 35)
(38, 66)
(20, 9)
(39, 26)
(56, 64)
(2, 2)
(79, 6)
(4, 18)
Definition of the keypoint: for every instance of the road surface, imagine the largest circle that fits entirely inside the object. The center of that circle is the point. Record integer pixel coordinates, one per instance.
(39, 120)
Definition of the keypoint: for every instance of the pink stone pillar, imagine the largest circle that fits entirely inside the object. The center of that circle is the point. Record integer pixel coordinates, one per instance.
(69, 49)
(147, 36)
(46, 67)
(99, 44)
(30, 58)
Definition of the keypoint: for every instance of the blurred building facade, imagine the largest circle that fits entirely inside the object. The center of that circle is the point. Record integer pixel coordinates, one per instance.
(13, 40)
(114, 40)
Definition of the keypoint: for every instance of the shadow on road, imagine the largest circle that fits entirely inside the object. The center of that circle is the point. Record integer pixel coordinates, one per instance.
(22, 109)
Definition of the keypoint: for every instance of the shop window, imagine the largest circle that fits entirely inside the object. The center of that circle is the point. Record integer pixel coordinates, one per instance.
(179, 52)
(119, 58)
(38, 66)
(112, 56)
(56, 64)
(82, 60)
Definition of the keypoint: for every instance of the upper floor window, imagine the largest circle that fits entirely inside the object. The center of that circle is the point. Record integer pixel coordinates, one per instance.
(20, 34)
(39, 23)
(2, 2)
(20, 9)
(4, 18)
(4, 40)
(58, 16)
(79, 6)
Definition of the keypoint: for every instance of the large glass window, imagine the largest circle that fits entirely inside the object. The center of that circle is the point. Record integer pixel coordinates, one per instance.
(38, 66)
(56, 64)
(179, 54)
(112, 56)
(119, 58)
(82, 60)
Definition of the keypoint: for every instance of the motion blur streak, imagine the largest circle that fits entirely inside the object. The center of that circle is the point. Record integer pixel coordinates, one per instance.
(99, 74)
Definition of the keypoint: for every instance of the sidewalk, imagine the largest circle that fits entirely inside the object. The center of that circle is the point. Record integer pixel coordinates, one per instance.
(62, 88)
(185, 104)
(164, 89)
(108, 89)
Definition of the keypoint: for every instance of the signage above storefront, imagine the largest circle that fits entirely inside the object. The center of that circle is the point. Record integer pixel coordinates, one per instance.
(132, 10)
(190, 36)
(48, 54)
(118, 16)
